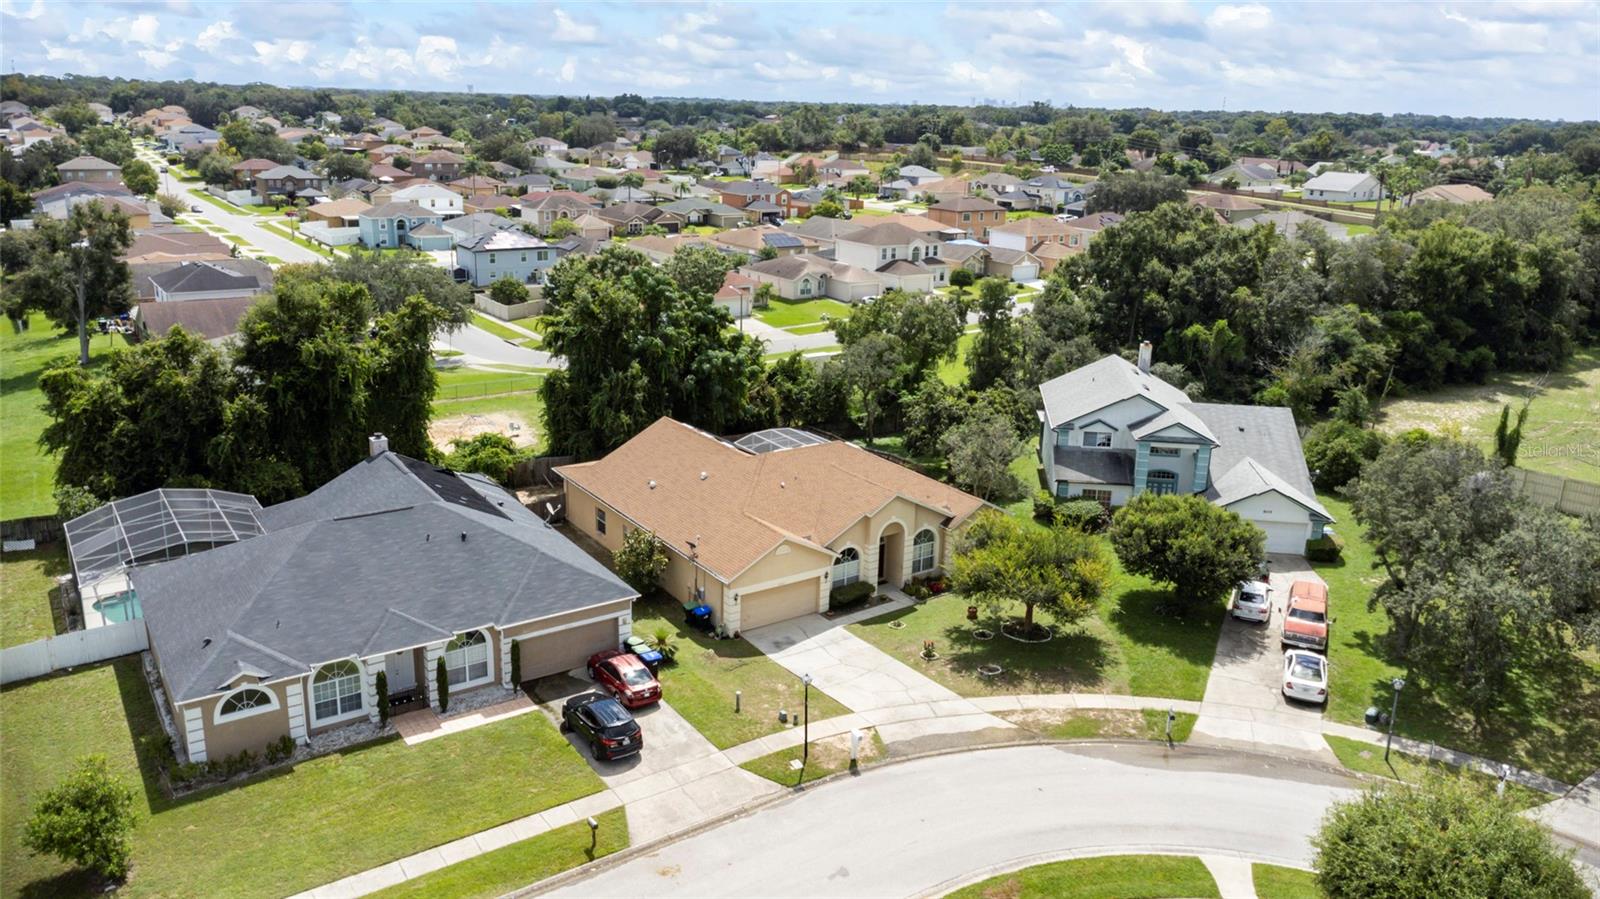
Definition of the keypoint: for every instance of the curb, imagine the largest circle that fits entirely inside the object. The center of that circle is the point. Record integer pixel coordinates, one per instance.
(790, 794)
(1020, 862)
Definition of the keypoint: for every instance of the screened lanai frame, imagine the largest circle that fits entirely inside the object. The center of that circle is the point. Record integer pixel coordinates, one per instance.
(774, 439)
(158, 525)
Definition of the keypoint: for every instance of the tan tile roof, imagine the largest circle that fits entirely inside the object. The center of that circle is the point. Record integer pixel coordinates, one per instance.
(746, 505)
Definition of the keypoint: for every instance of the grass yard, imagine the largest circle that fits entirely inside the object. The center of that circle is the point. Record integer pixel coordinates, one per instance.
(788, 313)
(217, 201)
(954, 371)
(497, 328)
(701, 682)
(1562, 435)
(829, 756)
(1106, 877)
(460, 383)
(812, 328)
(828, 350)
(503, 870)
(1278, 882)
(27, 474)
(290, 236)
(534, 323)
(1103, 724)
(27, 580)
(1368, 759)
(1551, 726)
(274, 834)
(1126, 647)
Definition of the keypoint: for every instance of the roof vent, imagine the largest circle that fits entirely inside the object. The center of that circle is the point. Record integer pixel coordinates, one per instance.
(703, 476)
(377, 445)
(463, 536)
(652, 485)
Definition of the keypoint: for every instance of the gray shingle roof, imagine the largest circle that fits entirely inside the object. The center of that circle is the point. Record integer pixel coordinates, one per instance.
(376, 560)
(398, 209)
(201, 277)
(1266, 436)
(1098, 385)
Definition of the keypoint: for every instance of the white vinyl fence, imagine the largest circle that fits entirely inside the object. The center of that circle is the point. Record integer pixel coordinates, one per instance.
(72, 649)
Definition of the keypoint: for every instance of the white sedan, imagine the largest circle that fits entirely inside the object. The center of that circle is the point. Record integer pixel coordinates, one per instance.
(1250, 602)
(1305, 676)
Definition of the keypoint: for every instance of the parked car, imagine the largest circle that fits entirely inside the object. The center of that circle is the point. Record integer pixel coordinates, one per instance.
(604, 724)
(1251, 601)
(626, 676)
(1305, 676)
(1305, 619)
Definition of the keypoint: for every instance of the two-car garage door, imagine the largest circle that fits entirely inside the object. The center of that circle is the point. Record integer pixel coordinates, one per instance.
(565, 649)
(778, 604)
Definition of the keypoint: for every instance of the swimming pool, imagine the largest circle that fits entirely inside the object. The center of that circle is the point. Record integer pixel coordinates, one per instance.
(122, 607)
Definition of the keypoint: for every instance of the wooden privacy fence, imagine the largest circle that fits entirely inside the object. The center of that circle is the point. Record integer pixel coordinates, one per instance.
(72, 649)
(1566, 495)
(39, 528)
(531, 472)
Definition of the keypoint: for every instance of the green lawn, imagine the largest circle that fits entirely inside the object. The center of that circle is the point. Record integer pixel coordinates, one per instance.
(954, 371)
(27, 580)
(1104, 724)
(828, 757)
(534, 323)
(289, 235)
(1126, 647)
(497, 328)
(812, 328)
(1107, 877)
(27, 474)
(1562, 435)
(701, 682)
(504, 870)
(808, 351)
(787, 313)
(1368, 759)
(1550, 726)
(217, 201)
(1358, 230)
(274, 834)
(461, 383)
(1278, 882)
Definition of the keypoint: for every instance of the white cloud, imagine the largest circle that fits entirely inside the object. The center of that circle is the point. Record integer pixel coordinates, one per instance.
(1251, 16)
(282, 50)
(77, 60)
(212, 36)
(9, 8)
(570, 31)
(569, 70)
(436, 55)
(158, 59)
(794, 67)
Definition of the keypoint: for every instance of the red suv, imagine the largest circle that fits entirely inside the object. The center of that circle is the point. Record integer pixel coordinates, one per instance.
(625, 677)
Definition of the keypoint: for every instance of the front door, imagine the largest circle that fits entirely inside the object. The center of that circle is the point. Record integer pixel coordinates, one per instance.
(400, 670)
(883, 556)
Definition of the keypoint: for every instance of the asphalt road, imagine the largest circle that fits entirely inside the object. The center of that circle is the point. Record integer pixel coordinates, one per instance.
(927, 825)
(243, 225)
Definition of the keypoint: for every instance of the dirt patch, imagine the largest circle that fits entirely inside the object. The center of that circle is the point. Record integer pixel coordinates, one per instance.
(441, 431)
(1083, 724)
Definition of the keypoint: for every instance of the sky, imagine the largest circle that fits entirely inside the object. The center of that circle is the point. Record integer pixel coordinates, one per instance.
(1534, 58)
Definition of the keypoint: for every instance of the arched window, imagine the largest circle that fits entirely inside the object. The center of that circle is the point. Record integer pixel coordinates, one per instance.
(922, 552)
(244, 702)
(336, 691)
(466, 659)
(1161, 481)
(847, 567)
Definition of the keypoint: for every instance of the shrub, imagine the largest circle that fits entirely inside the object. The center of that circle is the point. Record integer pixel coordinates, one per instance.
(87, 819)
(1326, 548)
(1336, 451)
(442, 679)
(1083, 515)
(381, 682)
(188, 772)
(279, 749)
(516, 663)
(850, 594)
(239, 763)
(918, 591)
(641, 560)
(1044, 505)
(1200, 550)
(508, 291)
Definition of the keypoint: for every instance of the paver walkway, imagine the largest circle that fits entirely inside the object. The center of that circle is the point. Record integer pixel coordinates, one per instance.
(884, 692)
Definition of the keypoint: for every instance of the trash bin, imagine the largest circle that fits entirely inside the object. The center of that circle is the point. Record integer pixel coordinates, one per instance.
(1373, 715)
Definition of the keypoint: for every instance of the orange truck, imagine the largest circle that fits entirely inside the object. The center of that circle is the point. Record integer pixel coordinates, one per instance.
(1305, 620)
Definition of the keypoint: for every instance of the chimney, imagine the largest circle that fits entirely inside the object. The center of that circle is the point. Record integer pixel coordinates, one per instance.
(377, 445)
(1145, 352)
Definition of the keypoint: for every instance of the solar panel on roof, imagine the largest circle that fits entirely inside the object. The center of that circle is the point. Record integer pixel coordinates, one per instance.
(777, 241)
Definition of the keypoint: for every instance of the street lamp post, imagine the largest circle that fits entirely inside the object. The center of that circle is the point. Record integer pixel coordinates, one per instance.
(79, 248)
(805, 751)
(1398, 684)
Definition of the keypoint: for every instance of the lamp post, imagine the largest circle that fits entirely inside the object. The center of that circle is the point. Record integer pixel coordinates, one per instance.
(79, 248)
(1398, 684)
(805, 747)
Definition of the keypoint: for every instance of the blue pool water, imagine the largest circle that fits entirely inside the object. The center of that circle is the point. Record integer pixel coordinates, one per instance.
(122, 607)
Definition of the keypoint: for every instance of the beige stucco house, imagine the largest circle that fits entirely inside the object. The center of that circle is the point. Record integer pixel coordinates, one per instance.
(764, 528)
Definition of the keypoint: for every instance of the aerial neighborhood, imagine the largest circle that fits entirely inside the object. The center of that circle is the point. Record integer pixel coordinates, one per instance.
(412, 488)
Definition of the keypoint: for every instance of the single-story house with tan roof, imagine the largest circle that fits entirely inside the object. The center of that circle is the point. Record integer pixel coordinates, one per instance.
(762, 529)
(1231, 207)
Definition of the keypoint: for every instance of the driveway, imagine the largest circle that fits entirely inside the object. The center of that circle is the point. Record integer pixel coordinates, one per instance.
(678, 780)
(885, 692)
(926, 826)
(242, 225)
(1244, 700)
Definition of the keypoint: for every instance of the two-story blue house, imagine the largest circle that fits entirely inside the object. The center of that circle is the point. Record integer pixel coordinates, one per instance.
(488, 256)
(402, 224)
(1111, 430)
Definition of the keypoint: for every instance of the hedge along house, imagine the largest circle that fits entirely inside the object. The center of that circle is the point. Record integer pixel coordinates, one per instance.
(390, 568)
(763, 529)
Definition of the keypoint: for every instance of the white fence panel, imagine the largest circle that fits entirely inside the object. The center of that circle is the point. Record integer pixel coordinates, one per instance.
(70, 650)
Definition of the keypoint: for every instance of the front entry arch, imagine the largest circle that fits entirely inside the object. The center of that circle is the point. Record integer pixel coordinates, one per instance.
(891, 554)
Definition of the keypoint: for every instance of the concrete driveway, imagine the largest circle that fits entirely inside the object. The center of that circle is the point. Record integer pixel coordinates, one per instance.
(676, 781)
(885, 692)
(1244, 700)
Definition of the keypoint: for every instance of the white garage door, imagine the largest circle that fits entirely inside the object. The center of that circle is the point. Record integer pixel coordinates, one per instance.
(566, 649)
(778, 604)
(1285, 537)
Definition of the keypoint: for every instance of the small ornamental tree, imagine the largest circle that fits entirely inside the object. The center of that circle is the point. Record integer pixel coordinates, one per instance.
(381, 685)
(441, 677)
(516, 663)
(1200, 549)
(1001, 565)
(87, 819)
(641, 560)
(561, 229)
(508, 291)
(1443, 837)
